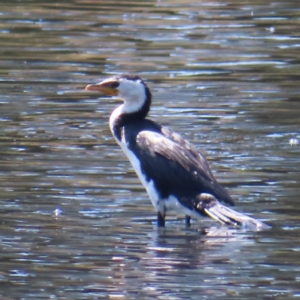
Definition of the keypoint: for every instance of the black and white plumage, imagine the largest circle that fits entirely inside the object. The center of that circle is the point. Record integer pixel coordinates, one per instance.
(175, 174)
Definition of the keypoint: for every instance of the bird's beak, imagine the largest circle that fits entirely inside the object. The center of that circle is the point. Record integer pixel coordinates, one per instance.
(105, 87)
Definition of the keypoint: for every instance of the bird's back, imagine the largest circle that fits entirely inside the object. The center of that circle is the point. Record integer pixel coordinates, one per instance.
(175, 165)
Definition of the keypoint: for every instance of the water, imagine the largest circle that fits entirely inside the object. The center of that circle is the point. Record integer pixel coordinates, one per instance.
(224, 74)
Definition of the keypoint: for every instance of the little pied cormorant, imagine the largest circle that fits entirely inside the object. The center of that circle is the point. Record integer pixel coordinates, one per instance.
(175, 174)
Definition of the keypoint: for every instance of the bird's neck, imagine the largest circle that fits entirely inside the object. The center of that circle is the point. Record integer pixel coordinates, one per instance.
(123, 116)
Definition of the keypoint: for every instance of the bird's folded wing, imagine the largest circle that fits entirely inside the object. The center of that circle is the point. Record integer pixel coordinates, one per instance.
(177, 163)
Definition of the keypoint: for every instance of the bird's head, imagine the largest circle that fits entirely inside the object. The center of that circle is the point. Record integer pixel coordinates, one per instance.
(129, 88)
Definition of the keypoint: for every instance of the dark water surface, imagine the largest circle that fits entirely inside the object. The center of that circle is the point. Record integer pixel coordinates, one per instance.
(224, 74)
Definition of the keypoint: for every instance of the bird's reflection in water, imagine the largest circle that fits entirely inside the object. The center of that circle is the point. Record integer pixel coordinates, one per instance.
(194, 247)
(195, 256)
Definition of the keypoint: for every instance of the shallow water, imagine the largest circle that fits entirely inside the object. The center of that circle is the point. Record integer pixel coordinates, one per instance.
(223, 74)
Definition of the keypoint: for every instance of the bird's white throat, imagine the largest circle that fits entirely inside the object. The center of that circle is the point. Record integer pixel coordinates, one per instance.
(133, 94)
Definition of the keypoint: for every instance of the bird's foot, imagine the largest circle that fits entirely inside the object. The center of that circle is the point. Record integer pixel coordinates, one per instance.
(160, 220)
(187, 221)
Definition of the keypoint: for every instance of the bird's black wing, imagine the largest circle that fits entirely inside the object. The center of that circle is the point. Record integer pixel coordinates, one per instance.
(175, 166)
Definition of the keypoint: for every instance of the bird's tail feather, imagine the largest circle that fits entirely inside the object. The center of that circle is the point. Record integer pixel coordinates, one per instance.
(225, 215)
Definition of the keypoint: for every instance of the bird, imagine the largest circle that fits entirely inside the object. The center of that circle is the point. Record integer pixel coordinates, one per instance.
(175, 174)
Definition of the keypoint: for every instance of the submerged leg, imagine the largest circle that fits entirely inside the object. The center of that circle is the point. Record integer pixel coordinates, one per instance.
(187, 220)
(160, 220)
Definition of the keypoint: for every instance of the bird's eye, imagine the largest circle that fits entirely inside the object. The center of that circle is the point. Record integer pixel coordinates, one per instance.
(114, 84)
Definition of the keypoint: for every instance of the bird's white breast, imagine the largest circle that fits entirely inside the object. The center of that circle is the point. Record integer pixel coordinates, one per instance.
(149, 185)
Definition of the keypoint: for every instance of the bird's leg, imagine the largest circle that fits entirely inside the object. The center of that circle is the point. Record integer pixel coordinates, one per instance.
(187, 221)
(160, 219)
